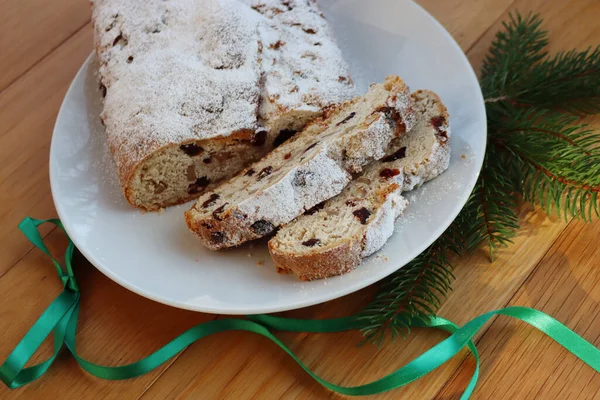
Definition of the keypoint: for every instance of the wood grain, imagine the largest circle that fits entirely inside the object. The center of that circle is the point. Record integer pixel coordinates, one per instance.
(28, 109)
(559, 17)
(519, 362)
(116, 327)
(466, 20)
(31, 29)
(556, 16)
(202, 369)
(42, 46)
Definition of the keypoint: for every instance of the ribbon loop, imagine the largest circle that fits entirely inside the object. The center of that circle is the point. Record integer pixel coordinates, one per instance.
(29, 227)
(62, 315)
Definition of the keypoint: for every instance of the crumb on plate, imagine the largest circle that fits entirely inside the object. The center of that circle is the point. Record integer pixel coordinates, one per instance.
(382, 258)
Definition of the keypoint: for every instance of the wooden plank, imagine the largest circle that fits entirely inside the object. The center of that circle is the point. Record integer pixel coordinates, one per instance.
(519, 362)
(570, 25)
(243, 365)
(466, 20)
(28, 109)
(117, 327)
(31, 29)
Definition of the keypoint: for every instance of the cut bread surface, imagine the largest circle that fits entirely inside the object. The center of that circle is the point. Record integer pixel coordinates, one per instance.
(333, 238)
(312, 167)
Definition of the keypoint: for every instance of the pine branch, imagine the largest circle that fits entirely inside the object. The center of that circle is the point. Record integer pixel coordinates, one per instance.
(494, 220)
(518, 71)
(514, 50)
(558, 161)
(569, 81)
(537, 151)
(413, 292)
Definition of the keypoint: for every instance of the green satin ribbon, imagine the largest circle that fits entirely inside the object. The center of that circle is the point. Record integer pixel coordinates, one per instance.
(61, 317)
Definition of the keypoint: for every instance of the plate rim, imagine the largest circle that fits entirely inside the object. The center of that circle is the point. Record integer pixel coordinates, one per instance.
(367, 281)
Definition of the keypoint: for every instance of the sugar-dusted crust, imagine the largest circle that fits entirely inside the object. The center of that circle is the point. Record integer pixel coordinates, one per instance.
(212, 73)
(332, 241)
(305, 171)
(173, 72)
(303, 69)
(345, 254)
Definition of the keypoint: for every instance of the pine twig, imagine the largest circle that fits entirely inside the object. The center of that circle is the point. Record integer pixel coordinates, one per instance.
(537, 151)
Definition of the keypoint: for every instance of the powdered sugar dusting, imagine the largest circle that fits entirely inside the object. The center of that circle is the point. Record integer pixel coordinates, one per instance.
(416, 157)
(303, 68)
(380, 230)
(285, 200)
(426, 154)
(277, 189)
(179, 70)
(174, 71)
(103, 161)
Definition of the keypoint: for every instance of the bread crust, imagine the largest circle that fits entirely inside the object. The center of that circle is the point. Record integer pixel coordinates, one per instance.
(345, 256)
(235, 225)
(347, 253)
(329, 173)
(331, 262)
(178, 72)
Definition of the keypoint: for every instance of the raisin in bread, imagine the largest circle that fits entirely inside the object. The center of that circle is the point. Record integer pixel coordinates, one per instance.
(333, 238)
(313, 166)
(187, 86)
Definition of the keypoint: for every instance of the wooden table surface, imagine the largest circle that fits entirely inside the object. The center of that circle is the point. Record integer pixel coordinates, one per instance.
(553, 266)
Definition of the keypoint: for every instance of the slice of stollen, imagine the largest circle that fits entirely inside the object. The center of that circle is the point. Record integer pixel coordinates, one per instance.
(334, 237)
(312, 167)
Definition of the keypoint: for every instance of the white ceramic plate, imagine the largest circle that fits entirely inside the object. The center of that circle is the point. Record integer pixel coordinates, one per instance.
(155, 256)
